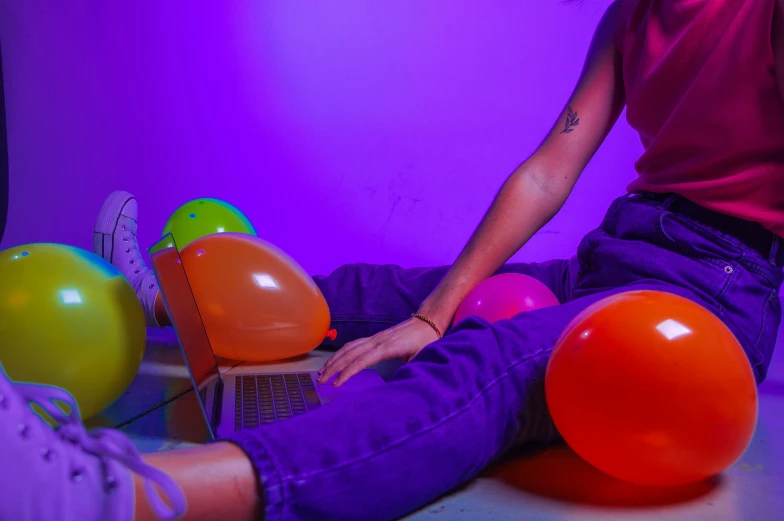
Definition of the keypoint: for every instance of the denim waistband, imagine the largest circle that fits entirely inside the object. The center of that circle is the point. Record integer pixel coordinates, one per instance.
(752, 235)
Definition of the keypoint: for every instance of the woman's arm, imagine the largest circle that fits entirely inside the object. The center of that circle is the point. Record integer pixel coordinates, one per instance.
(537, 190)
(529, 198)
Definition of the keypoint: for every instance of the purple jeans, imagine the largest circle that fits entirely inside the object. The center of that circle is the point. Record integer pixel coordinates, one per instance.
(469, 397)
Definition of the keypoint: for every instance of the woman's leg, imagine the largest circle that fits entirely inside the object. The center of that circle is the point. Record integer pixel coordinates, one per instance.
(441, 419)
(218, 481)
(363, 298)
(378, 455)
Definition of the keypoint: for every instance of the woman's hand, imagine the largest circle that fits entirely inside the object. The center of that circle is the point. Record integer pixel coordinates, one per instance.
(402, 341)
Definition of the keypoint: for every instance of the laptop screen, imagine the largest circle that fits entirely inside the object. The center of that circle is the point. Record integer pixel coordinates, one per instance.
(185, 317)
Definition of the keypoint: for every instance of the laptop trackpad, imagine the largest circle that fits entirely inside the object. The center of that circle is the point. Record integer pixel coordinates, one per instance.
(358, 383)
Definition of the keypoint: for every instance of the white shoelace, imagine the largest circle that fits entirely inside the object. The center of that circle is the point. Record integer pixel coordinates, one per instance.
(105, 444)
(141, 274)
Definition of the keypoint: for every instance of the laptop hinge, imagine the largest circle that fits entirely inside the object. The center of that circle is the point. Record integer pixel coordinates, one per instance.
(217, 405)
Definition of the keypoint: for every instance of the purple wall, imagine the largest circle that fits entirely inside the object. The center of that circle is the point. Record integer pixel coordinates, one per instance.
(347, 130)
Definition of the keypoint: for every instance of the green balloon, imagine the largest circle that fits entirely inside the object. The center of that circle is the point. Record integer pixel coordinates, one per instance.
(202, 217)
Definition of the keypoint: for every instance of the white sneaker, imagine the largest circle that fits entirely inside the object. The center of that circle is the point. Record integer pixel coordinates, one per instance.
(68, 474)
(114, 239)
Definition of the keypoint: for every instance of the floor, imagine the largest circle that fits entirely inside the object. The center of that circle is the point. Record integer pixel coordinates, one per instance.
(160, 412)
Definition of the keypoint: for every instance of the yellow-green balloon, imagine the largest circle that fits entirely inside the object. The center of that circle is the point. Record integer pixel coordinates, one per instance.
(202, 217)
(70, 319)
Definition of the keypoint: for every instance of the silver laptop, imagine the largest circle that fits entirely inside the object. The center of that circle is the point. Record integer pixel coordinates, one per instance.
(242, 396)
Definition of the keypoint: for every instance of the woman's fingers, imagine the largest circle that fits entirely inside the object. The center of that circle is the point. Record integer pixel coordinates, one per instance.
(361, 361)
(402, 341)
(343, 357)
(340, 353)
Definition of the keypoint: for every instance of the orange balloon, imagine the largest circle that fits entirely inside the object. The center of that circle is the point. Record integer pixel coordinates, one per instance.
(257, 304)
(653, 389)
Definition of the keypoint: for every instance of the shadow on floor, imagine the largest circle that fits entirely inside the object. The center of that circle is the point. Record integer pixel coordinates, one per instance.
(772, 387)
(558, 473)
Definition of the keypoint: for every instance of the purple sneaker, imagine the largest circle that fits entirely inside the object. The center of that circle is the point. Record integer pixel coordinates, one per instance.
(114, 239)
(67, 474)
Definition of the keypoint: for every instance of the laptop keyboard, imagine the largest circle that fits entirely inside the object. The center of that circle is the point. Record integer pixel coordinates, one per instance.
(261, 399)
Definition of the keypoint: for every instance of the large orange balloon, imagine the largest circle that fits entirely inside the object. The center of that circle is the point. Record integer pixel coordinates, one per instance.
(257, 303)
(653, 389)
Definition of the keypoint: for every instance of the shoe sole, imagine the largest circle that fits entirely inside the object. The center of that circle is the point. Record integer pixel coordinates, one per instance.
(107, 222)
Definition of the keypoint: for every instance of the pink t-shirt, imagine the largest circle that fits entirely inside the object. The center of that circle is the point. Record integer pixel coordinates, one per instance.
(702, 93)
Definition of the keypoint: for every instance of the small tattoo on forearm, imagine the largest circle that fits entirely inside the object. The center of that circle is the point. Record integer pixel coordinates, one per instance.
(571, 121)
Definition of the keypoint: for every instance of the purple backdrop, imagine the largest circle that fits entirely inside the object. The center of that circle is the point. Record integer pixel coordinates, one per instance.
(346, 130)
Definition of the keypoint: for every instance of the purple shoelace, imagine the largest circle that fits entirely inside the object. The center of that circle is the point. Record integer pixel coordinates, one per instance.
(106, 444)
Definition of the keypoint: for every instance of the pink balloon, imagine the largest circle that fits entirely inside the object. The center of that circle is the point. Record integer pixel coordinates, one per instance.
(504, 296)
